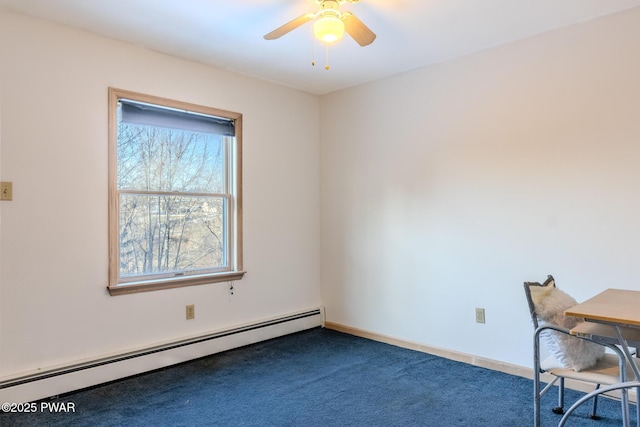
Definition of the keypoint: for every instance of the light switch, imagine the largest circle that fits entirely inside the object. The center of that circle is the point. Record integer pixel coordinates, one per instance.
(6, 190)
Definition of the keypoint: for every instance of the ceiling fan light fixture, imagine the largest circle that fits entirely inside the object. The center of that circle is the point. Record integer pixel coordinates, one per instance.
(328, 29)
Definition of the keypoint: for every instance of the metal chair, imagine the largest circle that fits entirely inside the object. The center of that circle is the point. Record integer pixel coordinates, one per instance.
(610, 369)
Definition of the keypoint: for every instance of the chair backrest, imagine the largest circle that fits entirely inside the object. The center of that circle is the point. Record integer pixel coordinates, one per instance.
(547, 305)
(527, 292)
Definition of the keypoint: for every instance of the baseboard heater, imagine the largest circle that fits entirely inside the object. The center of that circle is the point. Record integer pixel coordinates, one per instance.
(53, 382)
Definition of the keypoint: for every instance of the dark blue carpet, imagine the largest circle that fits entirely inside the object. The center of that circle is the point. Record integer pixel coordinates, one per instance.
(315, 378)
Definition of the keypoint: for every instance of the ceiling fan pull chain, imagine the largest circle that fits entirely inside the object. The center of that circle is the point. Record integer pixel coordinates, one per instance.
(326, 67)
(313, 50)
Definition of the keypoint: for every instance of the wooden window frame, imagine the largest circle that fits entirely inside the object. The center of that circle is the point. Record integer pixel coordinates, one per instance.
(235, 272)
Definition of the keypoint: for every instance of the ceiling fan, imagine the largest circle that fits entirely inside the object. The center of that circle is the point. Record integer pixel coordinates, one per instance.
(330, 24)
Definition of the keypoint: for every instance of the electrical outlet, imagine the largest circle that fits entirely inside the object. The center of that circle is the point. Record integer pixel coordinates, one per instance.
(6, 190)
(191, 311)
(479, 315)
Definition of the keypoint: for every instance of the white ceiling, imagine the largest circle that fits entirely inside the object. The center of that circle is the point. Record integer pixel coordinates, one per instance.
(228, 33)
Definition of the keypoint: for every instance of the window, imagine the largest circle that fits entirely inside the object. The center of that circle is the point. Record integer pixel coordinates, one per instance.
(175, 206)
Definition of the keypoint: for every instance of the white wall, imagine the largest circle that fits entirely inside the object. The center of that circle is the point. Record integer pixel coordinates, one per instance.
(54, 307)
(445, 188)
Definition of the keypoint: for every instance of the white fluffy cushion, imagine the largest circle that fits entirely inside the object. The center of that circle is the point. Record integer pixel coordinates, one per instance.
(572, 352)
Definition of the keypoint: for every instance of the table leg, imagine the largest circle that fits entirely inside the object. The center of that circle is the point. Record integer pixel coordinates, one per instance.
(627, 353)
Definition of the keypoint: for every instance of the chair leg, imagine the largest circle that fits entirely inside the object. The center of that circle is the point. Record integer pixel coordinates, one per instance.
(593, 415)
(638, 406)
(560, 408)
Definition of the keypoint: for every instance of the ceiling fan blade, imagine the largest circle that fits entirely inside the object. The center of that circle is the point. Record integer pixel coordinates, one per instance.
(357, 30)
(289, 26)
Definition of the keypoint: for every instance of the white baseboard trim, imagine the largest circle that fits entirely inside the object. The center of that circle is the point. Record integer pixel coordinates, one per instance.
(468, 358)
(28, 387)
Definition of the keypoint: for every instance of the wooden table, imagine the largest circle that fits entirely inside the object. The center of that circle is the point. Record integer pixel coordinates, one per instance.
(611, 317)
(617, 306)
